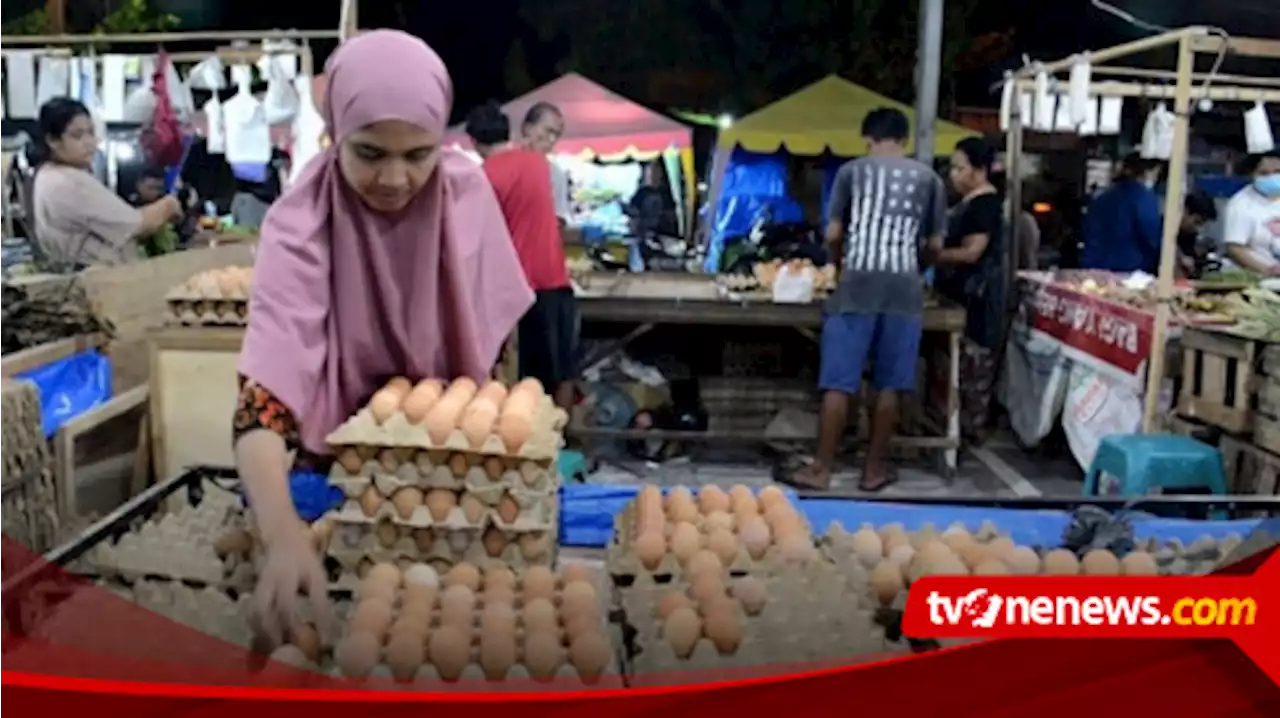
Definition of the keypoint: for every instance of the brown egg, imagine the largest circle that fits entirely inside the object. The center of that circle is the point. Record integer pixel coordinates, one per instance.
(500, 595)
(499, 576)
(376, 589)
(478, 420)
(571, 572)
(955, 538)
(370, 501)
(493, 391)
(669, 602)
(508, 509)
(681, 509)
(972, 553)
(650, 547)
(440, 503)
(751, 593)
(406, 500)
(578, 597)
(494, 541)
(590, 655)
(724, 630)
(540, 614)
(498, 652)
(543, 654)
(372, 615)
(886, 582)
(534, 546)
(771, 496)
(724, 545)
(463, 574)
(383, 405)
(307, 639)
(1139, 563)
(458, 464)
(420, 400)
(350, 460)
(580, 623)
(682, 629)
(1023, 561)
(867, 546)
(406, 651)
(458, 609)
(991, 567)
(741, 500)
(384, 572)
(529, 387)
(498, 618)
(450, 650)
(1100, 562)
(412, 622)
(418, 601)
(538, 582)
(756, 537)
(896, 540)
(443, 417)
(1061, 562)
(712, 498)
(421, 583)
(703, 562)
(472, 508)
(706, 587)
(796, 549)
(1000, 547)
(358, 653)
(492, 467)
(781, 515)
(399, 385)
(685, 541)
(718, 520)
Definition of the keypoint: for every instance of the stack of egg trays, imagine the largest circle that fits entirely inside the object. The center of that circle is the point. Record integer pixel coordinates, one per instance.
(807, 617)
(395, 454)
(176, 546)
(623, 563)
(194, 308)
(518, 678)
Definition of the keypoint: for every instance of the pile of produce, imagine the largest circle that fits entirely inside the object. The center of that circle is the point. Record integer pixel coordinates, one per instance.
(1258, 313)
(213, 297)
(32, 319)
(765, 273)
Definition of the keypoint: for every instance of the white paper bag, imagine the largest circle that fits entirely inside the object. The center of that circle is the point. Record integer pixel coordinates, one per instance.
(792, 286)
(1257, 130)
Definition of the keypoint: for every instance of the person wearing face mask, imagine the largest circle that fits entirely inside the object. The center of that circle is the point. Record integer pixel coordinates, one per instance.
(387, 257)
(78, 220)
(1251, 227)
(1122, 227)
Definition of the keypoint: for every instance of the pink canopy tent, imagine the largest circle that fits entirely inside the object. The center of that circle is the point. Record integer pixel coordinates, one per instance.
(597, 121)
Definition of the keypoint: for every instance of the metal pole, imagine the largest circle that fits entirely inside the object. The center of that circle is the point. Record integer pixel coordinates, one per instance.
(928, 76)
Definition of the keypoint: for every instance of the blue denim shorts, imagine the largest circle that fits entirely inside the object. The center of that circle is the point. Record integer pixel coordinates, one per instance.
(890, 341)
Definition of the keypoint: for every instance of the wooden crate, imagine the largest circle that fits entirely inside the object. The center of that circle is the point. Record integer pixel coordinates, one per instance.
(1266, 419)
(193, 396)
(1197, 430)
(1218, 379)
(1250, 470)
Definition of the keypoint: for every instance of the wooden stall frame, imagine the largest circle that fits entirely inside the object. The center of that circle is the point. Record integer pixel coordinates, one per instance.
(1189, 42)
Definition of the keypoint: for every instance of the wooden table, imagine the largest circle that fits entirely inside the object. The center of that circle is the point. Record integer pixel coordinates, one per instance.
(655, 299)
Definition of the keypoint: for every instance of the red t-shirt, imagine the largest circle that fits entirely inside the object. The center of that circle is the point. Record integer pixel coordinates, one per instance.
(521, 179)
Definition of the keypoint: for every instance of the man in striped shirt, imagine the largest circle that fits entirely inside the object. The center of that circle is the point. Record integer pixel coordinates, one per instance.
(884, 208)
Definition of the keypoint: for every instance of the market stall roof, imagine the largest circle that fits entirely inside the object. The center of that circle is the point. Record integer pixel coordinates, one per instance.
(598, 122)
(825, 116)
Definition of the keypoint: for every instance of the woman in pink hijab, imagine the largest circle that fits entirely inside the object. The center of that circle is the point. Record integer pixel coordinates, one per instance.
(389, 256)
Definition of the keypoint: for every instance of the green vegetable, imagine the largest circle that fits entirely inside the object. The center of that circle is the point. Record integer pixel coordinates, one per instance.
(1258, 312)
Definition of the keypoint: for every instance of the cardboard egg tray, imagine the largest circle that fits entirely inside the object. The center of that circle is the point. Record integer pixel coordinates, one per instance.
(396, 432)
(443, 469)
(176, 545)
(202, 311)
(473, 675)
(354, 551)
(807, 617)
(536, 508)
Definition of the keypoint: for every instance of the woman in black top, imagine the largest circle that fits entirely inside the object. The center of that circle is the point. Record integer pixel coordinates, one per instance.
(971, 273)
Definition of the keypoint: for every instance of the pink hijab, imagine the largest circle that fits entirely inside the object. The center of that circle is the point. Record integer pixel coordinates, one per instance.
(344, 298)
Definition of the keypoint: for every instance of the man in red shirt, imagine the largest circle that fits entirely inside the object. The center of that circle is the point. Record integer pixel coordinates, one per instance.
(521, 179)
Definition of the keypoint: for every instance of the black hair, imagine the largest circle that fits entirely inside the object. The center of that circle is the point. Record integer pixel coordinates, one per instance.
(538, 111)
(979, 152)
(1134, 165)
(55, 115)
(151, 172)
(1250, 163)
(1201, 205)
(886, 123)
(488, 125)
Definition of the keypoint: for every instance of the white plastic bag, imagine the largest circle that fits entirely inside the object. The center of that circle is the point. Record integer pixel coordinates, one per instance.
(1006, 102)
(1097, 406)
(140, 105)
(248, 134)
(215, 129)
(1081, 74)
(1045, 105)
(280, 104)
(208, 74)
(1257, 130)
(1110, 112)
(308, 127)
(793, 286)
(1157, 134)
(54, 78)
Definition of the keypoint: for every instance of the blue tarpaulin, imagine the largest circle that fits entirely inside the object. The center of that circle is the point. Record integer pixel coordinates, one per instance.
(70, 386)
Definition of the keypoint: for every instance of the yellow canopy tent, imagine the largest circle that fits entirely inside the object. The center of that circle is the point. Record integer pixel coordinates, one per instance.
(826, 115)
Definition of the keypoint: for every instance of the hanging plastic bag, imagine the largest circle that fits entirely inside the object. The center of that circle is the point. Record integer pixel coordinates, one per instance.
(162, 140)
(1081, 75)
(1007, 93)
(308, 128)
(1157, 134)
(248, 135)
(793, 284)
(1090, 125)
(280, 104)
(180, 99)
(1257, 130)
(1110, 112)
(208, 74)
(215, 134)
(54, 78)
(140, 105)
(1045, 104)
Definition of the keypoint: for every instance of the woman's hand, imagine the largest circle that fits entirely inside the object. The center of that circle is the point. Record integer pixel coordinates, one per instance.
(293, 566)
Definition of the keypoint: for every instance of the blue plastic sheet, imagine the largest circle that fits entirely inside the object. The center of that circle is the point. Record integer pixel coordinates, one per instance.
(70, 386)
(751, 182)
(587, 512)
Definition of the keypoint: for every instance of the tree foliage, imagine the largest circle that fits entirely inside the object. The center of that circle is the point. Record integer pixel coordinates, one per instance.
(763, 48)
(128, 16)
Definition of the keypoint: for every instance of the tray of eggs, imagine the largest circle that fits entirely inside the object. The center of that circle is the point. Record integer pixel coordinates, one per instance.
(519, 423)
(658, 535)
(824, 279)
(510, 508)
(495, 625)
(440, 469)
(213, 297)
(354, 551)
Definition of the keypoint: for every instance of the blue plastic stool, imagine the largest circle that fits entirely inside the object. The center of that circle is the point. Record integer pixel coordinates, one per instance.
(573, 466)
(1147, 461)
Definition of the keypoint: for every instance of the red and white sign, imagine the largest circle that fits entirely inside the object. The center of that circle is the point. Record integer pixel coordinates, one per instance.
(1110, 332)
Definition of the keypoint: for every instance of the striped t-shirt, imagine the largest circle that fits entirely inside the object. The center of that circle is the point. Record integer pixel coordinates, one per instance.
(888, 207)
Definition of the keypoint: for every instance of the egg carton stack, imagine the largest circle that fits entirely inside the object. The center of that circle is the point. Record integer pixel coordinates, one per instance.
(487, 626)
(656, 535)
(216, 297)
(179, 546)
(1201, 556)
(443, 474)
